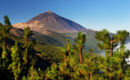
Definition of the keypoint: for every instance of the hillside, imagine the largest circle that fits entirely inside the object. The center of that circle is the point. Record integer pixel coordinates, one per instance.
(47, 37)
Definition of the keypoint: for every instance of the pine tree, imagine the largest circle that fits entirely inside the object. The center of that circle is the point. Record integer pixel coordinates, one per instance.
(80, 44)
(15, 66)
(27, 43)
(6, 20)
(4, 57)
(67, 50)
(5, 29)
(106, 41)
(122, 36)
(4, 53)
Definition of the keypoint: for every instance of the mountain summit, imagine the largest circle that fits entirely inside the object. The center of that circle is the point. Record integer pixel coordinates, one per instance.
(50, 21)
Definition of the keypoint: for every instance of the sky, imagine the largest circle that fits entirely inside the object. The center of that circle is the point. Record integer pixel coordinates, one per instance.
(112, 15)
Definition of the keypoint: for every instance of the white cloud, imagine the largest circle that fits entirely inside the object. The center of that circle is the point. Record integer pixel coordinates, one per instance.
(128, 46)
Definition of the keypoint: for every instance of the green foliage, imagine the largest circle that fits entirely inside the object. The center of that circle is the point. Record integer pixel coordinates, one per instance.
(4, 53)
(34, 74)
(91, 42)
(51, 52)
(27, 34)
(79, 44)
(51, 72)
(4, 29)
(15, 66)
(107, 41)
(122, 36)
(27, 43)
(80, 40)
(103, 38)
(6, 20)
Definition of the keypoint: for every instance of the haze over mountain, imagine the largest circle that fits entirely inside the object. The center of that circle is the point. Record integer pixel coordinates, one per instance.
(52, 22)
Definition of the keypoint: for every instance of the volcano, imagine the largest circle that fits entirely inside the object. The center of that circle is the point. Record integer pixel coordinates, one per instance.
(52, 22)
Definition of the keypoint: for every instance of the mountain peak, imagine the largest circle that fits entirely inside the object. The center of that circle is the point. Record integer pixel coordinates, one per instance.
(49, 11)
(51, 21)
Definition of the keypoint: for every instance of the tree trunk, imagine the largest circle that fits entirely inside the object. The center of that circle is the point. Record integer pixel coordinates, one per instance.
(110, 78)
(25, 58)
(5, 39)
(91, 76)
(111, 53)
(26, 51)
(65, 61)
(15, 76)
(71, 72)
(81, 62)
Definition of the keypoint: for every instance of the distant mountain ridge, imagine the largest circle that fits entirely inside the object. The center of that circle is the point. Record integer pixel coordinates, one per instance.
(52, 22)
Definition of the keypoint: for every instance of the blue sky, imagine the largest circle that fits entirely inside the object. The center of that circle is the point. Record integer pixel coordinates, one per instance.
(94, 14)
